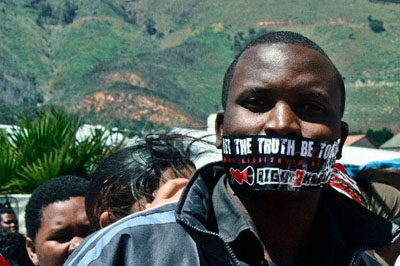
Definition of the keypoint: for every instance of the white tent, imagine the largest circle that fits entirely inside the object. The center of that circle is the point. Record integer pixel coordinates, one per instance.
(357, 156)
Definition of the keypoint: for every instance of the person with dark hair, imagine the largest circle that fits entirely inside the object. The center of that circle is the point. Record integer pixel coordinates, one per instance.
(289, 38)
(12, 248)
(8, 219)
(381, 188)
(268, 202)
(128, 180)
(56, 220)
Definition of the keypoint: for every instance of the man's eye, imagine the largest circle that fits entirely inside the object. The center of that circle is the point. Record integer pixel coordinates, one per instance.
(61, 239)
(255, 101)
(256, 105)
(312, 107)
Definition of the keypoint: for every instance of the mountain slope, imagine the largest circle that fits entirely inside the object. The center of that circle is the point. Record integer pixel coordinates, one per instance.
(124, 62)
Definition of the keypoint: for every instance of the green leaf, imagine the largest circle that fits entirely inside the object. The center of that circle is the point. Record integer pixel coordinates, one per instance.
(46, 147)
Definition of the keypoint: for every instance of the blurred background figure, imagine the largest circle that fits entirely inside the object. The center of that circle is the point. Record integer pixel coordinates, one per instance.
(56, 220)
(8, 218)
(12, 248)
(150, 172)
(3, 261)
(381, 188)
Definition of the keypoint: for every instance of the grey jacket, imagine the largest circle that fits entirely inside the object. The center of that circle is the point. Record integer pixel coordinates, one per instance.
(179, 233)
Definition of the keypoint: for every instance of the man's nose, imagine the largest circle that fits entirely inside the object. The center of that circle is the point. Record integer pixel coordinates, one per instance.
(282, 120)
(14, 225)
(75, 242)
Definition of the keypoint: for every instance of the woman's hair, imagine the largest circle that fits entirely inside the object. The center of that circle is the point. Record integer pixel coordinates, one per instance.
(382, 190)
(133, 173)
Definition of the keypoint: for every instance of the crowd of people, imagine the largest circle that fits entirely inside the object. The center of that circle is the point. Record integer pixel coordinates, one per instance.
(277, 197)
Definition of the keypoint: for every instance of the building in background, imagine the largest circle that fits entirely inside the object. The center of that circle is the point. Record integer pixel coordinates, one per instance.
(392, 144)
(360, 141)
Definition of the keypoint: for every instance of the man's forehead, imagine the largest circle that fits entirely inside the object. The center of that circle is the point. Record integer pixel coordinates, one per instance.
(8, 217)
(7, 214)
(278, 58)
(280, 54)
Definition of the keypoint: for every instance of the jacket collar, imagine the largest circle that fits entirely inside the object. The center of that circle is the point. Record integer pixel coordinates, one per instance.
(359, 228)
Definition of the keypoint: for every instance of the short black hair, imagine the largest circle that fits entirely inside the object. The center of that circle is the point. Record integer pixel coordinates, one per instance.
(61, 188)
(134, 173)
(6, 210)
(12, 247)
(284, 37)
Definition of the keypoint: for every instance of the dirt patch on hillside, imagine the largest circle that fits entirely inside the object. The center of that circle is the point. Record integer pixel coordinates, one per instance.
(329, 21)
(126, 77)
(106, 105)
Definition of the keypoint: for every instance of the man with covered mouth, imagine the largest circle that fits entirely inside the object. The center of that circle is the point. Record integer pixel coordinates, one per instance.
(281, 88)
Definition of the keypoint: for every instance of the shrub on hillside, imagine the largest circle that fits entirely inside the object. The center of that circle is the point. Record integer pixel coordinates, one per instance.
(240, 39)
(385, 1)
(380, 136)
(375, 25)
(53, 14)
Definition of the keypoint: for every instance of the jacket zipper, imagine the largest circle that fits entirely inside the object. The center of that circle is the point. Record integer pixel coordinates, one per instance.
(358, 251)
(353, 258)
(352, 261)
(233, 256)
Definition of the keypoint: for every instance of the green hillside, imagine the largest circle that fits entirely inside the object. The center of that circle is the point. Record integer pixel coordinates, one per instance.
(161, 63)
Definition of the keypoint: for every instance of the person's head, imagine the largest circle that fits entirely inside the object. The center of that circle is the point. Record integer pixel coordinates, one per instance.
(56, 220)
(8, 219)
(381, 188)
(283, 83)
(128, 179)
(12, 247)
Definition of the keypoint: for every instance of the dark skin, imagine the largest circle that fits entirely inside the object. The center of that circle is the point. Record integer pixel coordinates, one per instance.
(390, 253)
(64, 225)
(288, 90)
(9, 221)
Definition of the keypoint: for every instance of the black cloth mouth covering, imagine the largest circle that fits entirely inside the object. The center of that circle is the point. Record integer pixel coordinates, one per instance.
(278, 163)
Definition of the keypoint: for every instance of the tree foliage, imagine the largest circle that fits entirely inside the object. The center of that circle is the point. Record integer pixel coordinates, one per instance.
(380, 136)
(52, 13)
(241, 39)
(46, 147)
(385, 1)
(375, 25)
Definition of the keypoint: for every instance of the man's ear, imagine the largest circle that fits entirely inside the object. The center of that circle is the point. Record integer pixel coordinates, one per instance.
(344, 130)
(30, 247)
(219, 120)
(107, 218)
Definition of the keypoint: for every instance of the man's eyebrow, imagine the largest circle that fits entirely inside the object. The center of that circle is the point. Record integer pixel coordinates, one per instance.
(59, 228)
(255, 90)
(316, 94)
(302, 92)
